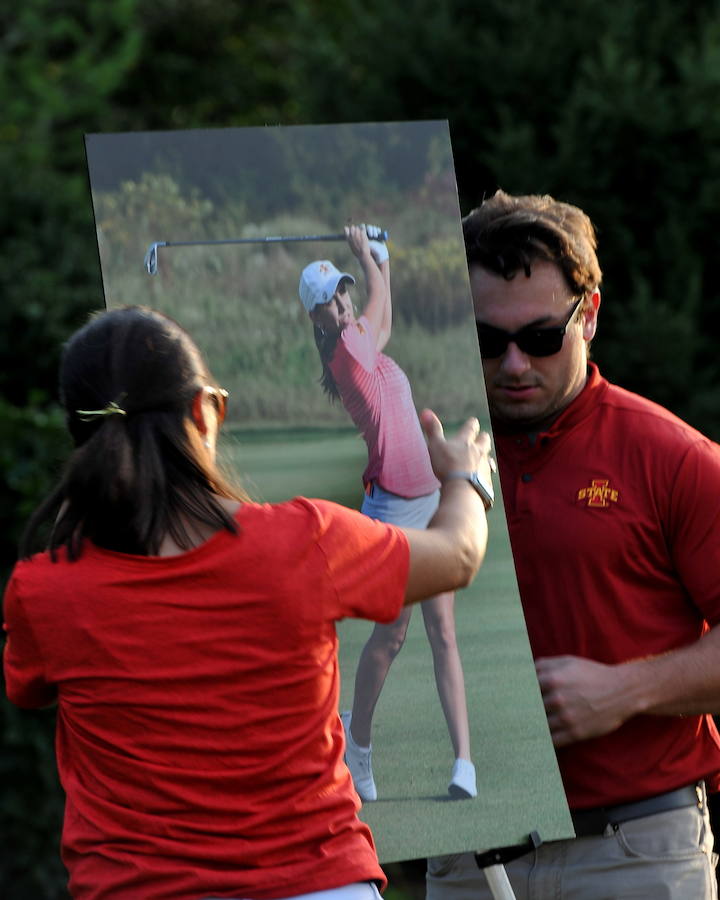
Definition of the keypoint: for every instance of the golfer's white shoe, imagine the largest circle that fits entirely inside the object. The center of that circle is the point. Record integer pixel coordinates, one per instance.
(462, 783)
(359, 760)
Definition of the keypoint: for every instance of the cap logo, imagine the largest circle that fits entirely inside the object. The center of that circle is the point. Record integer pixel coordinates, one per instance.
(599, 493)
(323, 268)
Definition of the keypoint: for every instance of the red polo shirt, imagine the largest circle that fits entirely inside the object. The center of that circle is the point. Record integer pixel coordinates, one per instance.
(615, 527)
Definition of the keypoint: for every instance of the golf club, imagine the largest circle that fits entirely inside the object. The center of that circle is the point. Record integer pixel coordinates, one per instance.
(151, 257)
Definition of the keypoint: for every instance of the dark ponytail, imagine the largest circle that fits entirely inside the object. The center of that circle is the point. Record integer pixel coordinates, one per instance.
(139, 472)
(326, 343)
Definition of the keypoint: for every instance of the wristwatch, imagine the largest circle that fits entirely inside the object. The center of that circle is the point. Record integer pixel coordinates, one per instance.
(484, 488)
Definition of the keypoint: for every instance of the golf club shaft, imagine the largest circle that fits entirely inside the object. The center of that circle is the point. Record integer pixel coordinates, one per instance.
(151, 255)
(265, 240)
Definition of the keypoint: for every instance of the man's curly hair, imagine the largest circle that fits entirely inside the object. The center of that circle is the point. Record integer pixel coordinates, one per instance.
(507, 234)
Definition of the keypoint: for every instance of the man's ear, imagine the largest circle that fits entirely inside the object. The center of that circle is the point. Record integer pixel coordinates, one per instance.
(590, 315)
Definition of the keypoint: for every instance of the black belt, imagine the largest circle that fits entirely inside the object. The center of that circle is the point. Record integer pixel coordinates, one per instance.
(589, 822)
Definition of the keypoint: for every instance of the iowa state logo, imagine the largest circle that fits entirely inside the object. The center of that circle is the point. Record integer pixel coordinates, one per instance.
(599, 493)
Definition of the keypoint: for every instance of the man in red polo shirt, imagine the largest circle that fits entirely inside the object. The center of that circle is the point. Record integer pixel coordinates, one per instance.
(613, 511)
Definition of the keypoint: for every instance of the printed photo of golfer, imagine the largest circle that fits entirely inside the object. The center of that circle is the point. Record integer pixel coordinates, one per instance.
(274, 247)
(399, 484)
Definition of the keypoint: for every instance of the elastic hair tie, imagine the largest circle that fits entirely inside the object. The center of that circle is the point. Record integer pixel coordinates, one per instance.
(112, 409)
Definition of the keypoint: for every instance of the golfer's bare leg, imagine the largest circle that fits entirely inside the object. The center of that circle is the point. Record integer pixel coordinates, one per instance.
(439, 617)
(377, 656)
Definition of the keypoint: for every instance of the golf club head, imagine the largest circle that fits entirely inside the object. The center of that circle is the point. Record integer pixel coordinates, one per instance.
(151, 257)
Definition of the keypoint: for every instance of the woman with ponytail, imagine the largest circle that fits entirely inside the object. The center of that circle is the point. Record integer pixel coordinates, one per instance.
(187, 635)
(140, 478)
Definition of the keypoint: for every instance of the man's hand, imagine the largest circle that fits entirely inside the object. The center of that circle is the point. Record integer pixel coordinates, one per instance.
(583, 698)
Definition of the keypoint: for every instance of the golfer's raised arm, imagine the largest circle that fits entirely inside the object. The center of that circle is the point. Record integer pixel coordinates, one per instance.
(375, 310)
(448, 554)
(386, 327)
(381, 255)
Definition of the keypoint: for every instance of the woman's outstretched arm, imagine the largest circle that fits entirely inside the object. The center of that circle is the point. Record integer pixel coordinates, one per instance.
(448, 554)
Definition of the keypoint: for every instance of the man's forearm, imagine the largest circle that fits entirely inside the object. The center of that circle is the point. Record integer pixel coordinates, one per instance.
(584, 698)
(682, 682)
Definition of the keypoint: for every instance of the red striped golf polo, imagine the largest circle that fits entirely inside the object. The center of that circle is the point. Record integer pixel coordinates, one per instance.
(377, 395)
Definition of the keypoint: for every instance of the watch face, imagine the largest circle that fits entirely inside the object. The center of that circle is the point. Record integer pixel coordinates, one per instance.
(485, 490)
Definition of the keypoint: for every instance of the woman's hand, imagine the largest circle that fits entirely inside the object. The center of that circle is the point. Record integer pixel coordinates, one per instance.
(468, 451)
(364, 239)
(378, 248)
(358, 241)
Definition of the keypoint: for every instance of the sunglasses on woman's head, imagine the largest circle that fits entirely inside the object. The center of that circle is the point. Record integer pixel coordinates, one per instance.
(531, 340)
(219, 398)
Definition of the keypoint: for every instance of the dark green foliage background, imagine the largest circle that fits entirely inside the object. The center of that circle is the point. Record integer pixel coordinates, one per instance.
(611, 106)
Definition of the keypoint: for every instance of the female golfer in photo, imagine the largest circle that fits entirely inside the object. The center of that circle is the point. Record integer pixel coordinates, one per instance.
(400, 487)
(188, 638)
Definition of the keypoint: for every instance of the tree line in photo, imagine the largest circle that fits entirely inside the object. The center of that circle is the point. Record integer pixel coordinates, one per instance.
(241, 300)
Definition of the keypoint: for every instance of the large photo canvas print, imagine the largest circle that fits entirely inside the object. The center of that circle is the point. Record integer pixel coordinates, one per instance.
(321, 270)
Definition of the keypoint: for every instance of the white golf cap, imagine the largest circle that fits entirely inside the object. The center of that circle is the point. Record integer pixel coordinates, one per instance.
(319, 281)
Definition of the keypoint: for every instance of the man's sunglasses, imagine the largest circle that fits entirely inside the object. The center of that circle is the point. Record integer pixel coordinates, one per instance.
(533, 341)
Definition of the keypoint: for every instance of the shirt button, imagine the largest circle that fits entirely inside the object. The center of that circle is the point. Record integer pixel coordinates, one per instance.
(526, 477)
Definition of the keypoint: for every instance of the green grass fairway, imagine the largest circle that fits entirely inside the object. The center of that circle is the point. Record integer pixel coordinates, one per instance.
(519, 785)
(277, 465)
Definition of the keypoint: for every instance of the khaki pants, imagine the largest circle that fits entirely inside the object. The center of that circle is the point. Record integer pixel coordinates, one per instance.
(667, 856)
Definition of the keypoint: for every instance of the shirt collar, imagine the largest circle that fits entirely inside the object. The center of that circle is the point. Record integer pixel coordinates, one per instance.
(577, 410)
